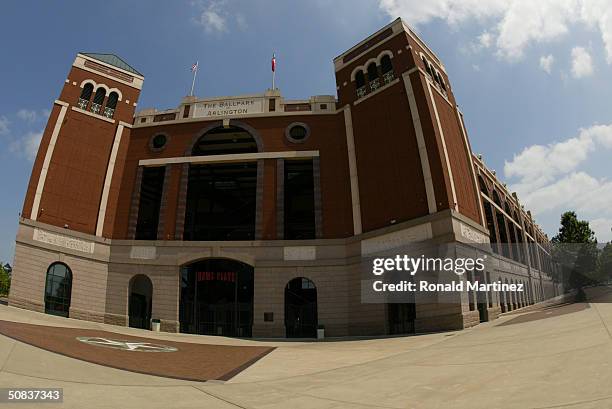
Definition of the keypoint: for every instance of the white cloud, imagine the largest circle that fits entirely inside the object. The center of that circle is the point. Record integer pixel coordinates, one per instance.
(4, 125)
(582, 63)
(27, 145)
(214, 16)
(546, 63)
(549, 178)
(602, 228)
(27, 115)
(513, 25)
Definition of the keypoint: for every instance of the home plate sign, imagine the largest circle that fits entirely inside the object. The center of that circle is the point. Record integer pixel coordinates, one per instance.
(126, 345)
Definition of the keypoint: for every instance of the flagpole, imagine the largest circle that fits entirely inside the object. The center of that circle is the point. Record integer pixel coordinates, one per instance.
(273, 70)
(195, 72)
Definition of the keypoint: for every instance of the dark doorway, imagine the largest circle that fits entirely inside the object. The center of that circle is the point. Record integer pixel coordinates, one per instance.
(140, 302)
(58, 289)
(481, 298)
(221, 197)
(301, 308)
(401, 318)
(150, 203)
(221, 202)
(217, 298)
(299, 208)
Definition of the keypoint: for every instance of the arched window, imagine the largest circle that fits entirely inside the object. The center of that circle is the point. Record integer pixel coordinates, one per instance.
(490, 225)
(58, 289)
(140, 301)
(222, 140)
(301, 308)
(483, 186)
(373, 76)
(360, 84)
(372, 71)
(98, 100)
(387, 69)
(385, 64)
(85, 96)
(222, 197)
(111, 104)
(426, 64)
(496, 199)
(359, 79)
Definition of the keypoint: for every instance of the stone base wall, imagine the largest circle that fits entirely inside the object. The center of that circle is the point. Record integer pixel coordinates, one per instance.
(494, 312)
(86, 315)
(471, 318)
(26, 304)
(116, 319)
(169, 326)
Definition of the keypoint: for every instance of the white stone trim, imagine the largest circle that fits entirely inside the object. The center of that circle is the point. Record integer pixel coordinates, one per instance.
(62, 240)
(396, 27)
(354, 178)
(376, 60)
(117, 91)
(237, 157)
(76, 109)
(108, 180)
(396, 239)
(300, 253)
(471, 160)
(106, 88)
(446, 160)
(416, 121)
(45, 167)
(217, 118)
(502, 211)
(79, 62)
(88, 81)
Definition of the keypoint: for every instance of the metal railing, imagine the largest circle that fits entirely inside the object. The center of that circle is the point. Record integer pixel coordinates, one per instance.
(388, 77)
(82, 104)
(109, 112)
(375, 84)
(361, 92)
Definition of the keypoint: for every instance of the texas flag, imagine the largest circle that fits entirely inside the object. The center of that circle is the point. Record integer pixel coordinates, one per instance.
(273, 62)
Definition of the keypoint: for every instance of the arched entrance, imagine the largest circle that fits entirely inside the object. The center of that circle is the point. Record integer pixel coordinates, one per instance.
(217, 298)
(221, 197)
(140, 301)
(301, 308)
(58, 289)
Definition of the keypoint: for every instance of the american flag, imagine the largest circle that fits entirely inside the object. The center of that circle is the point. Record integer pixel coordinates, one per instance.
(273, 62)
(194, 67)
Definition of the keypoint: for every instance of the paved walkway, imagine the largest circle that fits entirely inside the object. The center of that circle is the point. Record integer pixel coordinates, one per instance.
(558, 358)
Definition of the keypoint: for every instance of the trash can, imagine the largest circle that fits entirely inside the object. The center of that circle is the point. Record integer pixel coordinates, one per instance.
(320, 332)
(155, 324)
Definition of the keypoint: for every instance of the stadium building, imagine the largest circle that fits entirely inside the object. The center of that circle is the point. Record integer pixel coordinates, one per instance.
(250, 215)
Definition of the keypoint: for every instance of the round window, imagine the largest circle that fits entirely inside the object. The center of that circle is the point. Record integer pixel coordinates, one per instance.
(297, 132)
(158, 142)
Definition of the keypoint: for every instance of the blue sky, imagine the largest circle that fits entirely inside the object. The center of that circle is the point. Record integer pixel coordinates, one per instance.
(532, 78)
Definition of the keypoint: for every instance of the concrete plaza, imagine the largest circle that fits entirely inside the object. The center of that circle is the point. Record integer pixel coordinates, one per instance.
(548, 357)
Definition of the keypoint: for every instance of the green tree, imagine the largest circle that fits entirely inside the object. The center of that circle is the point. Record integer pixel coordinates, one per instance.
(5, 281)
(575, 250)
(604, 264)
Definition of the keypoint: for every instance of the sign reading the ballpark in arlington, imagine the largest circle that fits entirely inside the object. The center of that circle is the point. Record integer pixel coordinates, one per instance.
(228, 107)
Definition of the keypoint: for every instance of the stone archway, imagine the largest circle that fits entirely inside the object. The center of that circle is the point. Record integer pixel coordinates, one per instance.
(140, 301)
(217, 298)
